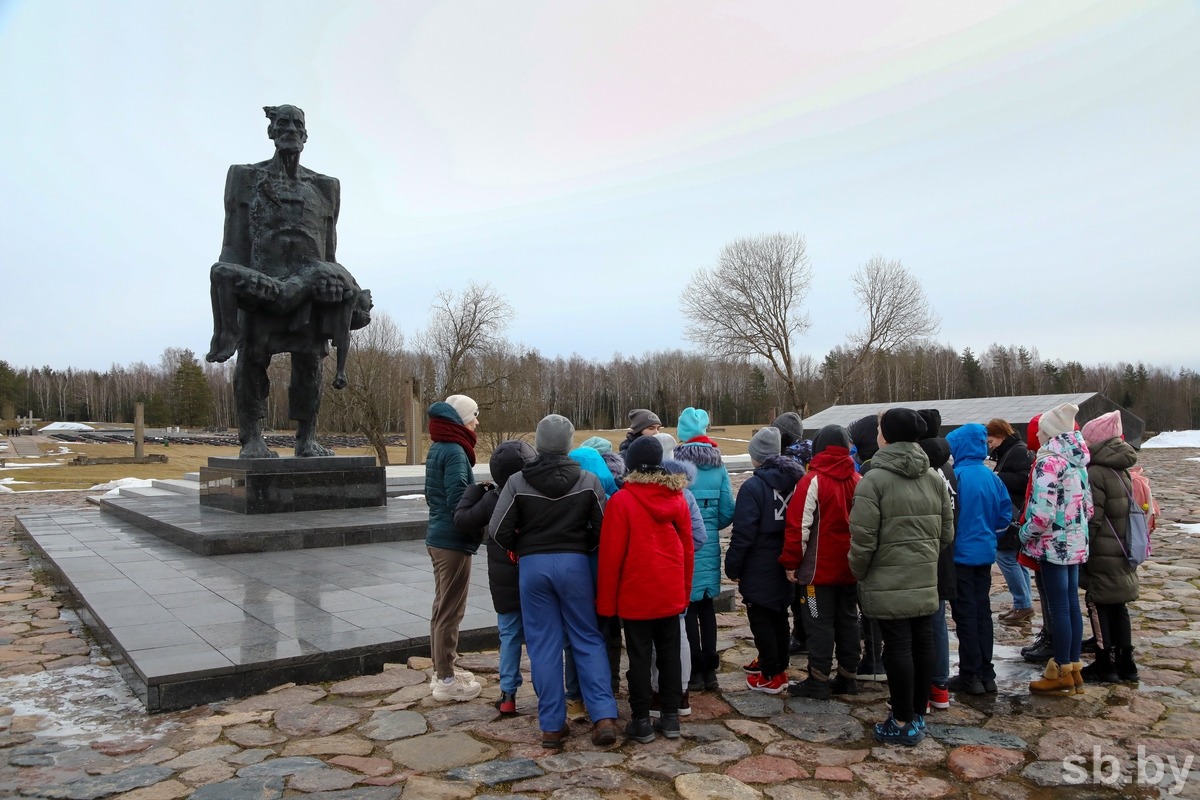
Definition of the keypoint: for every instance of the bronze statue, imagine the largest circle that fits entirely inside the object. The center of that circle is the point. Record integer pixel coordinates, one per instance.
(278, 287)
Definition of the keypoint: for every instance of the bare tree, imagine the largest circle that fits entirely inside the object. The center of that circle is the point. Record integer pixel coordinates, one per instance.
(749, 305)
(897, 314)
(371, 401)
(463, 326)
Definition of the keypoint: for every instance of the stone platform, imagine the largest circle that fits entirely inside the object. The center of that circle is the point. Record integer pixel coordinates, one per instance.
(185, 628)
(289, 485)
(181, 520)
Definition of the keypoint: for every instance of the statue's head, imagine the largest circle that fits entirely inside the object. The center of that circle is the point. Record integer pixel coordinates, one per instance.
(360, 317)
(286, 127)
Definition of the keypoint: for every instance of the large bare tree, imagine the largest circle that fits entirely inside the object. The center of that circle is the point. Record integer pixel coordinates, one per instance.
(897, 314)
(371, 401)
(749, 304)
(464, 326)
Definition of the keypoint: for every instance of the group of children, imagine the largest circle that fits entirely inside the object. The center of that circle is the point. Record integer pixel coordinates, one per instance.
(861, 541)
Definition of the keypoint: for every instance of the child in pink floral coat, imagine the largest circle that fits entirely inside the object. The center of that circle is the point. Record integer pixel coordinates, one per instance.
(1055, 534)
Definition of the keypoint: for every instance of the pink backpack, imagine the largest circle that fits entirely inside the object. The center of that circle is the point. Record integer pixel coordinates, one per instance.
(1144, 497)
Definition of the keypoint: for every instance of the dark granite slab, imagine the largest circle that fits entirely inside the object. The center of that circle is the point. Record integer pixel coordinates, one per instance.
(292, 464)
(181, 520)
(248, 492)
(187, 629)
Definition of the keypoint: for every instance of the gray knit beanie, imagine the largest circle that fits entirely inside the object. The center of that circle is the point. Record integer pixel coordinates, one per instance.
(764, 444)
(555, 435)
(642, 418)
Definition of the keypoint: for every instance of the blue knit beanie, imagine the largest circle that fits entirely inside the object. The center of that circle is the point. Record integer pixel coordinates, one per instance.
(598, 444)
(693, 422)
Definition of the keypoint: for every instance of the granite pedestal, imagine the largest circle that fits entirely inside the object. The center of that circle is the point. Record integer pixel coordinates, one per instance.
(287, 485)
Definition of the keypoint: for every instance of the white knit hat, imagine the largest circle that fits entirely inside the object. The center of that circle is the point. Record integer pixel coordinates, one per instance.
(467, 408)
(1060, 419)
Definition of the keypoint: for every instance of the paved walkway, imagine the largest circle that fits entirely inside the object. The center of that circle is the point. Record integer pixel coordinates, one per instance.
(75, 732)
(24, 447)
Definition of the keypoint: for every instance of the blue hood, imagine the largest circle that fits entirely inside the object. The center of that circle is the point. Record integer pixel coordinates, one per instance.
(593, 462)
(445, 411)
(968, 444)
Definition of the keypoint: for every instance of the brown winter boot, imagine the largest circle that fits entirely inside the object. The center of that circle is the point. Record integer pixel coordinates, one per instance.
(1077, 676)
(1055, 681)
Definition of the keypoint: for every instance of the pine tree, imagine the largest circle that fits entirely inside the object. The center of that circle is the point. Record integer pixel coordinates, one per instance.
(972, 373)
(191, 397)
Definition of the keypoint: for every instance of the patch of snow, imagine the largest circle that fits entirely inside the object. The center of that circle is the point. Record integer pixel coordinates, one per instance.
(1187, 527)
(114, 487)
(1174, 439)
(34, 464)
(5, 490)
(410, 497)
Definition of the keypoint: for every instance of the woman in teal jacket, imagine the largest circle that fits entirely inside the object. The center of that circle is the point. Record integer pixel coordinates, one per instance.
(714, 495)
(447, 475)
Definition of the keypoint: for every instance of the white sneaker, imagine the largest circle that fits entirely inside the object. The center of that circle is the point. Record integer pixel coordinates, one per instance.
(464, 675)
(457, 690)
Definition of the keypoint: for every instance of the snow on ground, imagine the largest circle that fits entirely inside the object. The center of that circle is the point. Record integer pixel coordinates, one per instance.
(114, 487)
(1186, 527)
(34, 464)
(1174, 439)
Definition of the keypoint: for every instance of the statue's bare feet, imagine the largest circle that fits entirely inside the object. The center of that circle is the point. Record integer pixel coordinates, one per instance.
(310, 448)
(222, 348)
(339, 380)
(256, 447)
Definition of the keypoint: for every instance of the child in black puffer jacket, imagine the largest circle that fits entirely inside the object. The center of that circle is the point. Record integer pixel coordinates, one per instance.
(473, 513)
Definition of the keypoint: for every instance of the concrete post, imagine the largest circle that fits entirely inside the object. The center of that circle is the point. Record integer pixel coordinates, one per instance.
(412, 421)
(139, 430)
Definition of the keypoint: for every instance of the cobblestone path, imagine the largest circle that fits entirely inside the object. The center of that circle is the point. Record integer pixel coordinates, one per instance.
(69, 728)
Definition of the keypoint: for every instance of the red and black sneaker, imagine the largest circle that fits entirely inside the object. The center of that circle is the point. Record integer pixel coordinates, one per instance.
(752, 668)
(775, 684)
(507, 704)
(939, 697)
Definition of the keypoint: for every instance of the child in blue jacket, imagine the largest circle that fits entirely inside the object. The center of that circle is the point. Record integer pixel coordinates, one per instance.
(985, 511)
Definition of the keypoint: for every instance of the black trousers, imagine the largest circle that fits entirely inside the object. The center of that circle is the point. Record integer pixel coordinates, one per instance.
(832, 621)
(663, 635)
(1111, 623)
(701, 625)
(908, 659)
(610, 629)
(771, 631)
(799, 615)
(972, 612)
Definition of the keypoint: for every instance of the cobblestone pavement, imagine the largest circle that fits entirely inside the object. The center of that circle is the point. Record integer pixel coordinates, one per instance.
(75, 731)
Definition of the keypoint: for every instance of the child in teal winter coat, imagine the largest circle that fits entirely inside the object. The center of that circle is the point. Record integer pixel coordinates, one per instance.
(714, 495)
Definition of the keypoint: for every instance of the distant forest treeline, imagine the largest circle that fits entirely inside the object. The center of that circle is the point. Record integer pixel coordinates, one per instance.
(517, 386)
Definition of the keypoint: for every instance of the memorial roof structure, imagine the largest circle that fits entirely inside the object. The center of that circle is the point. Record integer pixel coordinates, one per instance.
(1016, 410)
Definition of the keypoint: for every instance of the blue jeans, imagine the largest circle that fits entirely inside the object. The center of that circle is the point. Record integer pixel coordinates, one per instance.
(941, 647)
(558, 599)
(512, 636)
(1016, 576)
(1062, 594)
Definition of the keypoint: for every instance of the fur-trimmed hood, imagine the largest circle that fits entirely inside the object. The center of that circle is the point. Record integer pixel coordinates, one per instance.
(703, 456)
(680, 468)
(676, 481)
(616, 465)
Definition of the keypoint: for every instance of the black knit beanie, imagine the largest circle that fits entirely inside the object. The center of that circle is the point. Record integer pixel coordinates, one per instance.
(902, 425)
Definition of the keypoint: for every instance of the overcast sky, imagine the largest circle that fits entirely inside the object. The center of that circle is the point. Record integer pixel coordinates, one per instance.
(1036, 164)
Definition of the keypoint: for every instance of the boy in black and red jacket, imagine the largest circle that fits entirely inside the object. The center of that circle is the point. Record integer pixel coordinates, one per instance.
(752, 559)
(815, 555)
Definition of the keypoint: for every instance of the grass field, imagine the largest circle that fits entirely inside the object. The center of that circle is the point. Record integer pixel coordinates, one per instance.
(60, 474)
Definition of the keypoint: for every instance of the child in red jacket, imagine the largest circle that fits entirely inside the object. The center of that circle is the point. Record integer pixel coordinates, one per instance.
(816, 545)
(646, 559)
